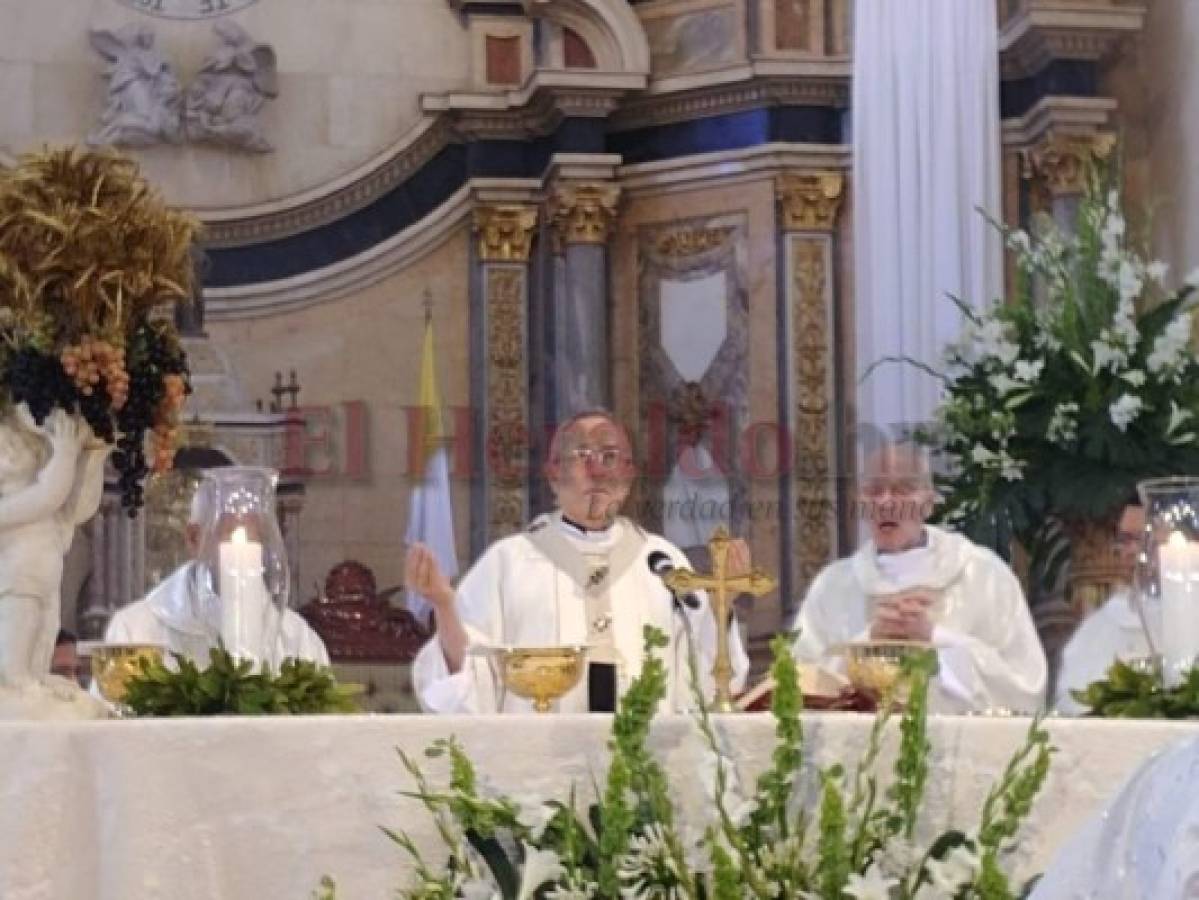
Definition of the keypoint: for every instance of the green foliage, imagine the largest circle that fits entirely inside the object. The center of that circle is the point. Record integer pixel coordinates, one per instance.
(1009, 802)
(832, 861)
(627, 843)
(911, 766)
(1128, 693)
(232, 687)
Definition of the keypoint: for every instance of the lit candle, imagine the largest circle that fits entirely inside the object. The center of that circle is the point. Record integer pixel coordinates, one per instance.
(1178, 564)
(242, 594)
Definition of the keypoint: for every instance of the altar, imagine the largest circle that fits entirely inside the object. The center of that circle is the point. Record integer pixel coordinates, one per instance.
(225, 809)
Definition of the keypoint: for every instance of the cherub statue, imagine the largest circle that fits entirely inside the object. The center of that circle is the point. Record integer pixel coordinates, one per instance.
(223, 101)
(144, 96)
(51, 480)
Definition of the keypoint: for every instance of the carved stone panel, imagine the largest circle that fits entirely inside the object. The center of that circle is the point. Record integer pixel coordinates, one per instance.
(693, 326)
(507, 419)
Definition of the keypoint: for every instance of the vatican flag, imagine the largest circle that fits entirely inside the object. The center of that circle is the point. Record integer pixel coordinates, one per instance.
(430, 512)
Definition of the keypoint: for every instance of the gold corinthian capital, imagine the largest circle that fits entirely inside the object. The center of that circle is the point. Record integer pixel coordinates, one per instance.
(584, 213)
(505, 232)
(1061, 161)
(810, 201)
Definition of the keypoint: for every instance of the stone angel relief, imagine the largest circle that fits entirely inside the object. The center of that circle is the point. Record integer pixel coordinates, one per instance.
(145, 100)
(146, 104)
(222, 103)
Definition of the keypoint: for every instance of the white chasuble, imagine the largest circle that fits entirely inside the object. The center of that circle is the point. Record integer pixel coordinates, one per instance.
(1144, 844)
(1112, 632)
(554, 584)
(175, 615)
(989, 653)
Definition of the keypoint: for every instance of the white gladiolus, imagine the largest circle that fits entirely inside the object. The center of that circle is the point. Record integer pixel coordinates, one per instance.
(1029, 372)
(1135, 377)
(871, 886)
(1114, 226)
(1130, 281)
(1063, 426)
(1124, 410)
(1107, 356)
(956, 870)
(1019, 241)
(1157, 271)
(982, 455)
(540, 866)
(1171, 346)
(1009, 468)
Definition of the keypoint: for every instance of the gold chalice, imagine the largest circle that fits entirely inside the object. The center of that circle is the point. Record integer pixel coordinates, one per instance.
(541, 674)
(113, 665)
(874, 667)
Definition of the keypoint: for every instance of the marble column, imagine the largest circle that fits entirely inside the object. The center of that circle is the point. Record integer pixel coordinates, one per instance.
(578, 351)
(808, 397)
(91, 621)
(1057, 168)
(500, 379)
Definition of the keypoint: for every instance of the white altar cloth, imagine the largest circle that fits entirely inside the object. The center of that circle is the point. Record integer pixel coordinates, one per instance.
(225, 809)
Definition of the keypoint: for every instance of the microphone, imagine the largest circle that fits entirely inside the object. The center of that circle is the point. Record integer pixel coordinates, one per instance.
(659, 563)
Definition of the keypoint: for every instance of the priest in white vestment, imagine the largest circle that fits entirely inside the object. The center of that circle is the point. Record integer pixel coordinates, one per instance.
(1144, 845)
(1112, 632)
(579, 575)
(184, 616)
(912, 581)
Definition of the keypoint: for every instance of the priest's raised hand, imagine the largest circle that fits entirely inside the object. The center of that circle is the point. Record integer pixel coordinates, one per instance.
(423, 576)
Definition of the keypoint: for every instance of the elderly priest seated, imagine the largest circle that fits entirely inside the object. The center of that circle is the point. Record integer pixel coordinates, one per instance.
(912, 581)
(183, 616)
(579, 575)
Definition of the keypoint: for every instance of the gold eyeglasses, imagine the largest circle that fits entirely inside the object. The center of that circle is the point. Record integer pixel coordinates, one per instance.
(604, 457)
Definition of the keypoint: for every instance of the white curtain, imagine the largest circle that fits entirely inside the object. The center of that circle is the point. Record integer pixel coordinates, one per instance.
(926, 154)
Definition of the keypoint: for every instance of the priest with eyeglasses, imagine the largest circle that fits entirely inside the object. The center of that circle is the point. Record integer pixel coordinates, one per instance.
(582, 574)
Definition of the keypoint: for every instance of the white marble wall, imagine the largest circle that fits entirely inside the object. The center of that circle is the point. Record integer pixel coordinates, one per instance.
(350, 78)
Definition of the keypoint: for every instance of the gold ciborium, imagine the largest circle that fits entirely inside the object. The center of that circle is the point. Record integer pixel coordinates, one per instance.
(541, 674)
(874, 667)
(113, 665)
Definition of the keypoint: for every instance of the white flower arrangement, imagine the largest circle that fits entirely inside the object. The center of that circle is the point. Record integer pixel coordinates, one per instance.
(836, 833)
(1085, 382)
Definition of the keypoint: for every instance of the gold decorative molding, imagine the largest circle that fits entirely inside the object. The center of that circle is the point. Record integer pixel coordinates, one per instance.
(505, 232)
(811, 349)
(685, 242)
(810, 201)
(1060, 163)
(507, 417)
(584, 213)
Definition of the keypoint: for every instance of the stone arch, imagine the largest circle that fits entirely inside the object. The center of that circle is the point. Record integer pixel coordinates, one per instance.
(610, 28)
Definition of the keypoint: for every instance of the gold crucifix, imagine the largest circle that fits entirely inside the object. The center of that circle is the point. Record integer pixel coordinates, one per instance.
(721, 589)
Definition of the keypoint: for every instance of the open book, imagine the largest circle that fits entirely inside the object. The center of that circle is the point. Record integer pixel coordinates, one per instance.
(814, 681)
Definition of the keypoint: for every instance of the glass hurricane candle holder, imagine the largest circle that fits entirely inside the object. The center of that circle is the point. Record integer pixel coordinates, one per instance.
(1166, 578)
(242, 560)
